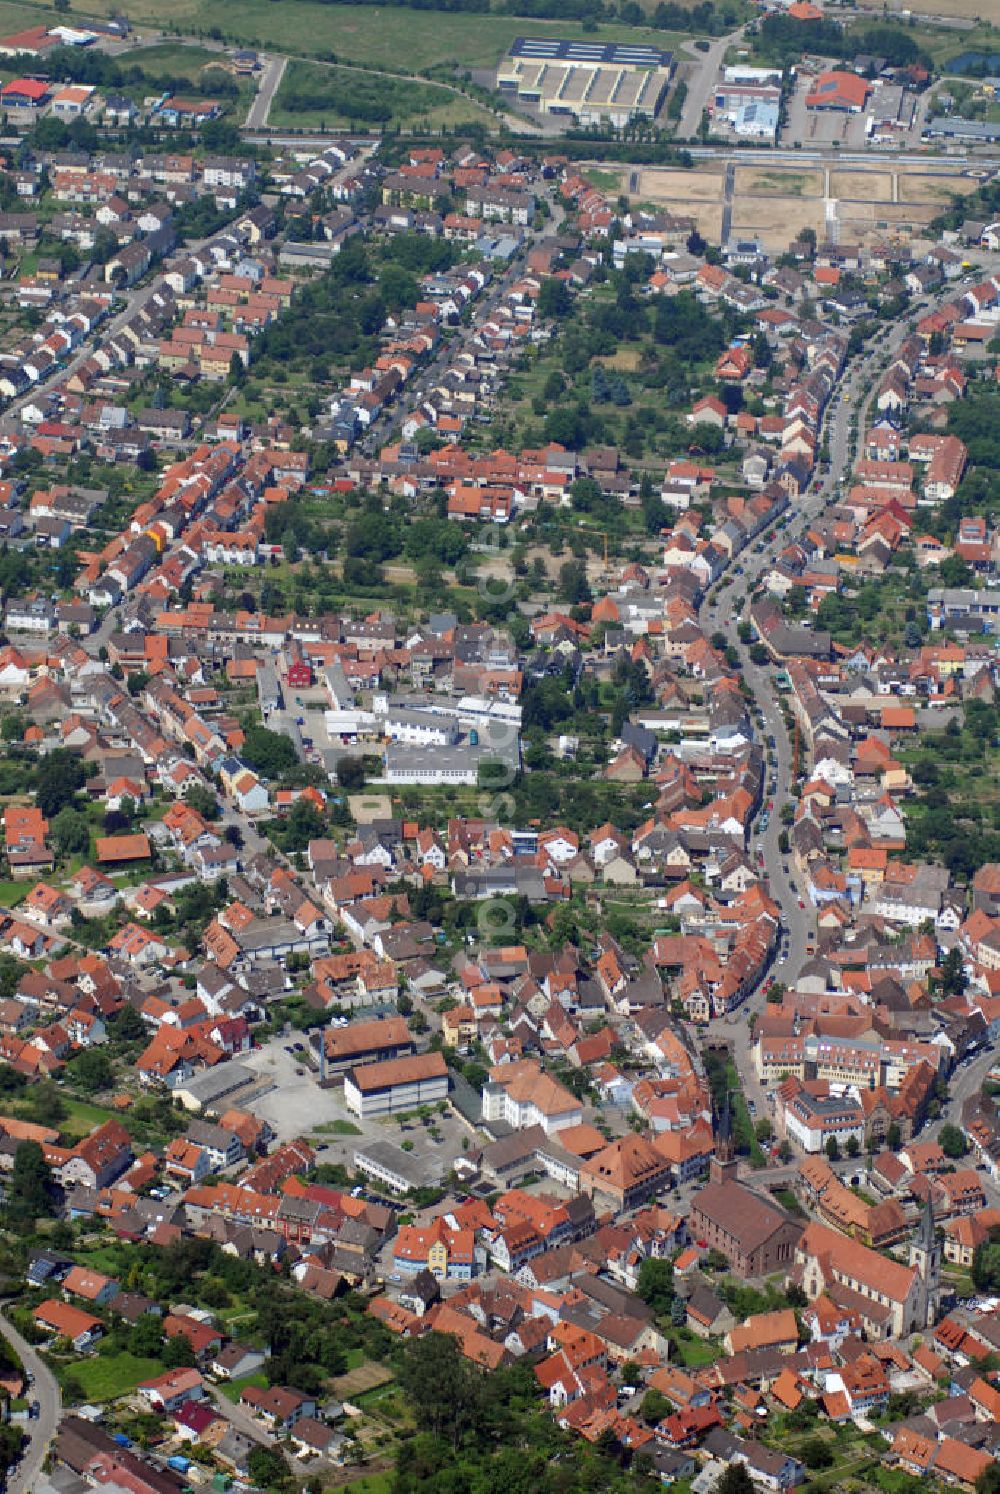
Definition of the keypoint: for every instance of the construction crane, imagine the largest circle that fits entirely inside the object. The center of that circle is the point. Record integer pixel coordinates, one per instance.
(605, 577)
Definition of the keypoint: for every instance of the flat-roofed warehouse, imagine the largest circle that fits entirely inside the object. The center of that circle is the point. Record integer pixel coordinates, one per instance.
(590, 82)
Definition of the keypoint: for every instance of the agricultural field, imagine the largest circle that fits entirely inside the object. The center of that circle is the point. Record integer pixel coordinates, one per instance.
(16, 15)
(393, 37)
(942, 41)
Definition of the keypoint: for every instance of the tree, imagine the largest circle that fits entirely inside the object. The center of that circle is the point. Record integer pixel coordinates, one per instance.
(267, 1467)
(952, 976)
(554, 299)
(655, 1407)
(60, 774)
(203, 799)
(986, 1264)
(12, 728)
(146, 1338)
(178, 1353)
(656, 1284)
(988, 1481)
(351, 773)
(126, 1026)
(574, 587)
(30, 1187)
(816, 1452)
(763, 1130)
(441, 1385)
(735, 1480)
(269, 752)
(91, 1070)
(11, 1081)
(853, 1146)
(304, 823)
(894, 1137)
(70, 832)
(832, 1148)
(952, 1141)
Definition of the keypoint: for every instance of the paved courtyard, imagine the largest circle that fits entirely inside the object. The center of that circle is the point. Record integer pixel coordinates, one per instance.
(297, 1106)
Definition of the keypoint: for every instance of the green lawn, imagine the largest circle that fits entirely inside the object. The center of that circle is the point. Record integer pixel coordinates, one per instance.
(606, 181)
(104, 1377)
(692, 1352)
(337, 1128)
(232, 1389)
(12, 893)
(375, 1483)
(83, 1117)
(104, 1258)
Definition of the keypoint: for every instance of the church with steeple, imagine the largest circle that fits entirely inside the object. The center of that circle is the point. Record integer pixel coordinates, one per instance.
(925, 1258)
(724, 1165)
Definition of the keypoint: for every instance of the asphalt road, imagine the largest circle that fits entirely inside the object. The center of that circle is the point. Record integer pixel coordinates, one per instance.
(239, 1417)
(42, 1431)
(701, 82)
(274, 70)
(723, 614)
(135, 299)
(449, 348)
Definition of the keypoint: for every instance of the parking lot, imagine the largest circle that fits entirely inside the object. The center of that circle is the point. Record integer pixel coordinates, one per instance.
(815, 127)
(297, 1106)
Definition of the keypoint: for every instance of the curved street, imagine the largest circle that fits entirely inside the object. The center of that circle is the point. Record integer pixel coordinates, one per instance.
(722, 612)
(41, 1432)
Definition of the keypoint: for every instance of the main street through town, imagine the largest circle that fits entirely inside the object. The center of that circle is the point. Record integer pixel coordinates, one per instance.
(722, 611)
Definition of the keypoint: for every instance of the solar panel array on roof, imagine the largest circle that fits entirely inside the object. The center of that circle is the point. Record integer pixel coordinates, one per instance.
(609, 54)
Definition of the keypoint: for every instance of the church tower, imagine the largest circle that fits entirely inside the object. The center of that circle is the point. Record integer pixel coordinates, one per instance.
(724, 1165)
(925, 1255)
